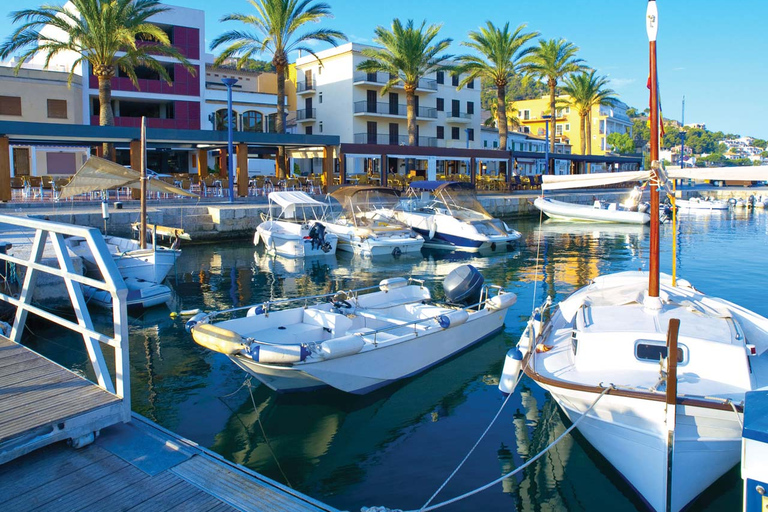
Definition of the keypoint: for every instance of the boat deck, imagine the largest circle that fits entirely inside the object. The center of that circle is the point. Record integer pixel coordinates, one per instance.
(42, 402)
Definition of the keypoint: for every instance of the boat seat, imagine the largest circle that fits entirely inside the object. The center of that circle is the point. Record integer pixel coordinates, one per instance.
(338, 324)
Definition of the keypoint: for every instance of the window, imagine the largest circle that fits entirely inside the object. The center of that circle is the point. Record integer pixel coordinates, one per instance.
(485, 143)
(320, 98)
(471, 134)
(440, 104)
(455, 80)
(525, 115)
(602, 143)
(272, 123)
(653, 352)
(57, 109)
(253, 121)
(567, 127)
(470, 107)
(471, 84)
(526, 129)
(602, 127)
(308, 130)
(10, 106)
(495, 144)
(441, 77)
(455, 133)
(559, 130)
(441, 132)
(321, 127)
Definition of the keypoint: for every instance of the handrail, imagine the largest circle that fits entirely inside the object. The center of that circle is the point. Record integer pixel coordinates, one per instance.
(113, 283)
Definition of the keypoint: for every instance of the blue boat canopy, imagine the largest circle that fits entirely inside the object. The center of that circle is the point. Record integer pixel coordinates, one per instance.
(439, 185)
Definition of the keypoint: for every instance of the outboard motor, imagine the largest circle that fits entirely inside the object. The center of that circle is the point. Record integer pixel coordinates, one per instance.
(463, 285)
(317, 237)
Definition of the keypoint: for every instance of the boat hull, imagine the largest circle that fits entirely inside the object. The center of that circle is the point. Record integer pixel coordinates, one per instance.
(294, 245)
(380, 247)
(368, 371)
(141, 294)
(448, 233)
(631, 434)
(583, 213)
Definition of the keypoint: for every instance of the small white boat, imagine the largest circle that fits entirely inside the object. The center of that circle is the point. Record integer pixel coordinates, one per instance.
(758, 201)
(364, 228)
(696, 203)
(598, 212)
(296, 232)
(150, 264)
(141, 294)
(448, 215)
(364, 339)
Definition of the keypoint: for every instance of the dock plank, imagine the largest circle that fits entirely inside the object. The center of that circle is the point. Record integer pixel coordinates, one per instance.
(168, 498)
(134, 494)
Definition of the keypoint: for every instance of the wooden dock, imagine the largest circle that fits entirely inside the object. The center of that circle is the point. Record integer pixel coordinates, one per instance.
(67, 443)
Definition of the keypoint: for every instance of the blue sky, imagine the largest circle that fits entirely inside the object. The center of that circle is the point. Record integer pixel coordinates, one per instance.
(714, 53)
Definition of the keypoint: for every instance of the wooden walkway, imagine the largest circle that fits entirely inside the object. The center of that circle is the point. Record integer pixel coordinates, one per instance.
(140, 466)
(42, 402)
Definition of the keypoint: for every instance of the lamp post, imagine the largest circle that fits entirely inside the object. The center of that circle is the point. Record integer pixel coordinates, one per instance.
(229, 82)
(546, 119)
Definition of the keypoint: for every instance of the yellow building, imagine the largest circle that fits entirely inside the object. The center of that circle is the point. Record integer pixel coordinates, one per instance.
(605, 120)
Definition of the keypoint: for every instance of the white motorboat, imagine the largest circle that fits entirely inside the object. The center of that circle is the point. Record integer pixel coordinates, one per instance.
(364, 228)
(364, 339)
(141, 294)
(150, 264)
(598, 212)
(704, 204)
(652, 372)
(296, 231)
(448, 215)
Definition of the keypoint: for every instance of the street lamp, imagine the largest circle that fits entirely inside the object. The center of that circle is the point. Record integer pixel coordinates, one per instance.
(229, 82)
(546, 118)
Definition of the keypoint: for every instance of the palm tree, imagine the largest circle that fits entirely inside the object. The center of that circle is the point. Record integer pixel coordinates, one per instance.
(273, 30)
(107, 34)
(408, 54)
(585, 90)
(500, 53)
(510, 114)
(552, 60)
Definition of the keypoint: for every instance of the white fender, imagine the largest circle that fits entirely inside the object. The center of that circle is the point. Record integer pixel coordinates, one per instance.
(218, 339)
(340, 347)
(501, 301)
(392, 283)
(513, 363)
(256, 237)
(536, 323)
(453, 319)
(199, 318)
(432, 229)
(278, 354)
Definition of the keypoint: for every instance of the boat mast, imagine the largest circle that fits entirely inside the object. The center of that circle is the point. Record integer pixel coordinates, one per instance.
(652, 27)
(143, 181)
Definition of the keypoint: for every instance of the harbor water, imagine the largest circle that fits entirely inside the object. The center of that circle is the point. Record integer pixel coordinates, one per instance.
(396, 446)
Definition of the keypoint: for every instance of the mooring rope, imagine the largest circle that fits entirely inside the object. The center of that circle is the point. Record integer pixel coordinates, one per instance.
(736, 411)
(503, 477)
(482, 436)
(536, 266)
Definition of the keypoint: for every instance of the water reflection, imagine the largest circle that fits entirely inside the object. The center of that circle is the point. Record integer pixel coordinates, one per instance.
(396, 446)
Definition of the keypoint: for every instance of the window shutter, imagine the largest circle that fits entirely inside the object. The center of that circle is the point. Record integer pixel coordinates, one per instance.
(57, 109)
(10, 106)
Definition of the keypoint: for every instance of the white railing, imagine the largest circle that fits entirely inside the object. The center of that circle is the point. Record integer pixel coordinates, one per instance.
(113, 283)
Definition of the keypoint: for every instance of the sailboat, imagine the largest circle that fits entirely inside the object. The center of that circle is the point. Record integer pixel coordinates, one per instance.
(144, 268)
(653, 370)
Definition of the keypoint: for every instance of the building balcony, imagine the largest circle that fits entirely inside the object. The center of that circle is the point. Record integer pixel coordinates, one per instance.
(365, 107)
(381, 79)
(385, 139)
(458, 117)
(305, 87)
(306, 114)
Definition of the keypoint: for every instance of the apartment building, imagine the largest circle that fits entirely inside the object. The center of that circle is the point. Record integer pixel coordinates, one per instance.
(35, 95)
(605, 120)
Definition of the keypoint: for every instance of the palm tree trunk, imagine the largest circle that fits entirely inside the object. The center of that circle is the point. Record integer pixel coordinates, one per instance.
(583, 136)
(589, 139)
(280, 121)
(501, 116)
(552, 84)
(410, 101)
(106, 117)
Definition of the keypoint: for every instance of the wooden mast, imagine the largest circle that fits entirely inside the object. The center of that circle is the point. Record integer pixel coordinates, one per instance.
(143, 181)
(652, 26)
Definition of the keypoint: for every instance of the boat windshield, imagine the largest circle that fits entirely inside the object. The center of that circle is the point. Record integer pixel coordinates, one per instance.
(359, 204)
(461, 202)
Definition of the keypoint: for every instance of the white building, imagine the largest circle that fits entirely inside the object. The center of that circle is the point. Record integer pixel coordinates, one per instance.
(333, 97)
(521, 145)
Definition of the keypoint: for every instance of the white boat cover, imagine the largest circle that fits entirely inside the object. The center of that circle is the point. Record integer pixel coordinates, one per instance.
(100, 174)
(289, 200)
(564, 182)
